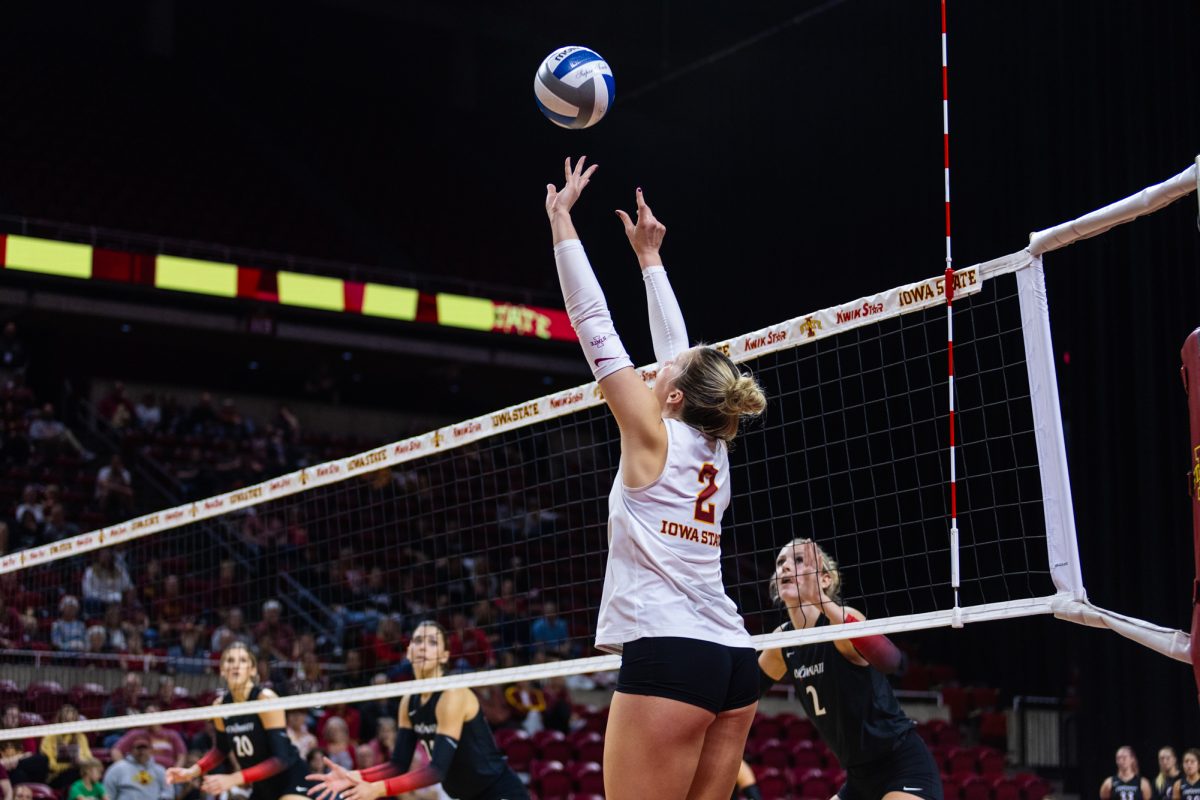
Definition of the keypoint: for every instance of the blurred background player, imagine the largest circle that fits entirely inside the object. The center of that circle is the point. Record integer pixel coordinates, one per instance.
(266, 755)
(464, 758)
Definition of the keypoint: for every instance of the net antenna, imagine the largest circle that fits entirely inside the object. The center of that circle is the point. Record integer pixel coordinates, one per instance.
(949, 283)
(851, 452)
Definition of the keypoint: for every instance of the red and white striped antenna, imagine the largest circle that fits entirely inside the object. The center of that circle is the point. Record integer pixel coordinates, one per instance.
(954, 567)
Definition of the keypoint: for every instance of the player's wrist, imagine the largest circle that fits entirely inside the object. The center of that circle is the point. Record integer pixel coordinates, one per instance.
(648, 257)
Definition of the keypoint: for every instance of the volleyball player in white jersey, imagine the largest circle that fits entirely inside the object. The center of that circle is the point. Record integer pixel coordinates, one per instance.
(687, 689)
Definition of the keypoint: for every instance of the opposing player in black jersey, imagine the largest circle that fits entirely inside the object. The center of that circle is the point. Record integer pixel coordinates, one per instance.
(1168, 773)
(1187, 785)
(463, 755)
(259, 742)
(842, 686)
(1128, 783)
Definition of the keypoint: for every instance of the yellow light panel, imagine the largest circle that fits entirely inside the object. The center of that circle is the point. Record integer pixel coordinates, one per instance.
(196, 276)
(393, 302)
(65, 259)
(311, 291)
(465, 312)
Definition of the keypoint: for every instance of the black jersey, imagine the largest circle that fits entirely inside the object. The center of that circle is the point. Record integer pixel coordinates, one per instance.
(1127, 790)
(852, 707)
(250, 744)
(477, 763)
(1168, 785)
(248, 739)
(1187, 791)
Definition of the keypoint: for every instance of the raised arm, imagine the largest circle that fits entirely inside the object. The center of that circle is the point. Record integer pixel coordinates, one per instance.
(637, 412)
(666, 320)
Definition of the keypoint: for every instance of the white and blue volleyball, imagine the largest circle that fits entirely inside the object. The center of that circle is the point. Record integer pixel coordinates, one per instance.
(574, 87)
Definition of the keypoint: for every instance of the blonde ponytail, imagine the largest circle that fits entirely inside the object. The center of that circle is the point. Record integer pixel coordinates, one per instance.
(716, 395)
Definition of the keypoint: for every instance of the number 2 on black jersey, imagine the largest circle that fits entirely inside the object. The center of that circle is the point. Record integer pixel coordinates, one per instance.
(243, 747)
(706, 511)
(817, 709)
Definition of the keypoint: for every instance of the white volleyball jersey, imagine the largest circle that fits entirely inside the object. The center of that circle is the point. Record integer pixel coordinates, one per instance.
(664, 550)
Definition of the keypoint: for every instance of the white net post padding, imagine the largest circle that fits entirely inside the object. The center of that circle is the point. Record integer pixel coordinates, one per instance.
(1052, 450)
(1147, 201)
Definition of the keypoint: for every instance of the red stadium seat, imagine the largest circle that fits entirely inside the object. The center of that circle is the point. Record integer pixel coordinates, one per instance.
(950, 736)
(765, 727)
(505, 735)
(589, 777)
(805, 754)
(45, 697)
(1005, 789)
(89, 698)
(814, 783)
(798, 728)
(916, 678)
(984, 698)
(772, 784)
(956, 699)
(951, 788)
(551, 781)
(961, 759)
(993, 728)
(591, 748)
(991, 761)
(975, 787)
(1033, 787)
(558, 750)
(773, 753)
(520, 752)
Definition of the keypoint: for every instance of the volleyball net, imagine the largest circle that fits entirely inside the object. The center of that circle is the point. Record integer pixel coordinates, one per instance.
(497, 526)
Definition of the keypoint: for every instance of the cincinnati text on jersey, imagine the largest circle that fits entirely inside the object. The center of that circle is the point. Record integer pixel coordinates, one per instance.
(800, 673)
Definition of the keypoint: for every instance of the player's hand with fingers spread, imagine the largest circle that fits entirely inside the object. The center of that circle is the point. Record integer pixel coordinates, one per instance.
(218, 784)
(331, 783)
(560, 201)
(646, 235)
(364, 790)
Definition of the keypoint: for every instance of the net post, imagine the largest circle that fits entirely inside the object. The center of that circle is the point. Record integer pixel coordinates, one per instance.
(1190, 372)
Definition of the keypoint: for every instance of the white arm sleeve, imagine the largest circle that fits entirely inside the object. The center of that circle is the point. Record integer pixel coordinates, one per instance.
(588, 310)
(666, 320)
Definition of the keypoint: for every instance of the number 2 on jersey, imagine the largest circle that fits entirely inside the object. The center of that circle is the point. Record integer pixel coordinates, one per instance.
(706, 511)
(817, 710)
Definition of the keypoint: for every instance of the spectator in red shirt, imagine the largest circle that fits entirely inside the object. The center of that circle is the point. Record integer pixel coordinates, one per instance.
(11, 628)
(389, 645)
(469, 646)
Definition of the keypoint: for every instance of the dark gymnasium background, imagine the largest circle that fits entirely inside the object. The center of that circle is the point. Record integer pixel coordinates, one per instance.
(794, 151)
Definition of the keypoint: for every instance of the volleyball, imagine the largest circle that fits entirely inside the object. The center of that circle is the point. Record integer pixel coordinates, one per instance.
(574, 87)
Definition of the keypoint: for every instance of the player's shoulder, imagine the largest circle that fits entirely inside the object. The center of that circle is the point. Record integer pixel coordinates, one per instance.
(266, 693)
